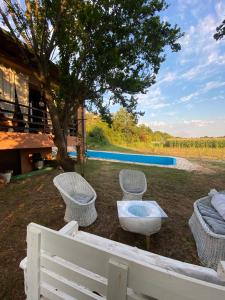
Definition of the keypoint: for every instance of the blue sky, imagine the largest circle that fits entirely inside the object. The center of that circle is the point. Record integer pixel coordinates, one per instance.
(189, 96)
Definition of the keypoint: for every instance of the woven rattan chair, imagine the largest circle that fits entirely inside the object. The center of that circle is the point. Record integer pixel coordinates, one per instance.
(210, 246)
(78, 196)
(133, 184)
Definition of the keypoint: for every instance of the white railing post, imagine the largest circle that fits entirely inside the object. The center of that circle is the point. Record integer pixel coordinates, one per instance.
(117, 281)
(70, 229)
(33, 263)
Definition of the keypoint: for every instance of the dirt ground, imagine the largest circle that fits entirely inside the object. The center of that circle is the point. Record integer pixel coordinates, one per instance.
(35, 199)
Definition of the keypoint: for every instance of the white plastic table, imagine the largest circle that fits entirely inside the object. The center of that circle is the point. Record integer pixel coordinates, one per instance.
(143, 217)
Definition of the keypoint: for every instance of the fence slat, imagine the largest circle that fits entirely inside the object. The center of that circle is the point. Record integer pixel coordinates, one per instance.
(117, 281)
(68, 287)
(49, 293)
(74, 273)
(143, 278)
(33, 263)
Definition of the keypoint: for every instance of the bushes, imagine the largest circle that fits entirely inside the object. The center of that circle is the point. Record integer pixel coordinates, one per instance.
(97, 137)
(124, 131)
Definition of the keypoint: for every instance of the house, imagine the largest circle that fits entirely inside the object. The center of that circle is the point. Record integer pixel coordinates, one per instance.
(25, 124)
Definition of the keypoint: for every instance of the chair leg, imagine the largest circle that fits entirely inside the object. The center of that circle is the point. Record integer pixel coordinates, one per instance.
(147, 242)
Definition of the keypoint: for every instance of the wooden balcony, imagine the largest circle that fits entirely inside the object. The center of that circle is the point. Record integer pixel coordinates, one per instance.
(21, 130)
(25, 131)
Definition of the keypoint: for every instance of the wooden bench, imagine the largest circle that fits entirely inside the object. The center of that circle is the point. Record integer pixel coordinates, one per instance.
(71, 264)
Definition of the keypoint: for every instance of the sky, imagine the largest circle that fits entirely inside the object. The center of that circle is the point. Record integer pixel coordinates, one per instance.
(188, 99)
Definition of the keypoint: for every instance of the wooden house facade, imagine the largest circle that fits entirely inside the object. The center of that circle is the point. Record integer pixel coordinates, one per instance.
(25, 124)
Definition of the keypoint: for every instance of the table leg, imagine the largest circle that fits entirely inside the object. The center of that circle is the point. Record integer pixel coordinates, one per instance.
(147, 242)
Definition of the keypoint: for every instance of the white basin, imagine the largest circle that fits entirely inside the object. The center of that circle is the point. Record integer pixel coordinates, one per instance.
(143, 217)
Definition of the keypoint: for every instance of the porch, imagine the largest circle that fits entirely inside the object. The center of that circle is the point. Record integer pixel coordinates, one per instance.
(25, 130)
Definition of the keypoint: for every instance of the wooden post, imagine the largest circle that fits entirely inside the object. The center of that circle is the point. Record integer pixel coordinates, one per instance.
(33, 263)
(117, 281)
(81, 134)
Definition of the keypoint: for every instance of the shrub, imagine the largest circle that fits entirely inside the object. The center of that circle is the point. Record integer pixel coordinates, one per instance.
(97, 137)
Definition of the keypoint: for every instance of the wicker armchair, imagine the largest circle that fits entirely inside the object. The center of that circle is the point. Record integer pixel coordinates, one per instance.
(210, 246)
(78, 196)
(133, 184)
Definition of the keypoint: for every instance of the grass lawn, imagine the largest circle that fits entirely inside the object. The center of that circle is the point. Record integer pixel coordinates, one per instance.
(35, 199)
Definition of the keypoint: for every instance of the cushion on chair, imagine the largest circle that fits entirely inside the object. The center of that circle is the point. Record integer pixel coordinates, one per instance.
(209, 212)
(82, 198)
(135, 190)
(215, 225)
(218, 202)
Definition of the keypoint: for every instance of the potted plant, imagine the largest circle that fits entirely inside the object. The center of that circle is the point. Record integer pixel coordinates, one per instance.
(7, 174)
(38, 161)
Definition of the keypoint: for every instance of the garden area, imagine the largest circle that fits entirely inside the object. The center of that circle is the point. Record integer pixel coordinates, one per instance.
(35, 199)
(126, 135)
(77, 76)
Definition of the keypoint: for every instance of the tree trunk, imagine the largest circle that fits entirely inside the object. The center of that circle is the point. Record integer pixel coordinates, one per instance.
(81, 149)
(60, 137)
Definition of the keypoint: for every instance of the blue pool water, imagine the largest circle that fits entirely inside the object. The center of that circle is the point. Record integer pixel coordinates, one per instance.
(127, 157)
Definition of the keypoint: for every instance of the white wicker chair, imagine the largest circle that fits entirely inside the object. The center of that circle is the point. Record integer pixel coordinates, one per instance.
(74, 190)
(133, 184)
(210, 246)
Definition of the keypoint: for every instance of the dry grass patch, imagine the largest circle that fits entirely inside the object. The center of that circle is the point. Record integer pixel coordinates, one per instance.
(35, 199)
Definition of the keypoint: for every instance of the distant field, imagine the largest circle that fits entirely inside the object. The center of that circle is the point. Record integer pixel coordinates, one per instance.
(196, 143)
(212, 153)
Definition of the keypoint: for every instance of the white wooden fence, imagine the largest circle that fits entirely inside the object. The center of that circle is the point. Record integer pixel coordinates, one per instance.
(71, 264)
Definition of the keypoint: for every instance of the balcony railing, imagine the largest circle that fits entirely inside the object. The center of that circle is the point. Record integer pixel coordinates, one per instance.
(36, 120)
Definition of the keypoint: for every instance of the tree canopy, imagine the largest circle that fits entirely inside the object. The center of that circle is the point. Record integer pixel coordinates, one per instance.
(113, 50)
(107, 51)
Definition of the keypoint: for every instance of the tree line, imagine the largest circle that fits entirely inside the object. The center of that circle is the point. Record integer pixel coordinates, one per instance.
(124, 130)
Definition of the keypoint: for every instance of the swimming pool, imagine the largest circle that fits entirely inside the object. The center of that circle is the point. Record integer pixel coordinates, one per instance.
(127, 157)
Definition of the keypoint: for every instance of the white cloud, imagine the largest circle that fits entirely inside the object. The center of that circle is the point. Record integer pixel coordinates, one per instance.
(200, 48)
(205, 69)
(171, 113)
(191, 128)
(220, 9)
(189, 97)
(202, 90)
(168, 77)
(212, 85)
(157, 125)
(199, 123)
(191, 73)
(184, 5)
(152, 115)
(153, 99)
